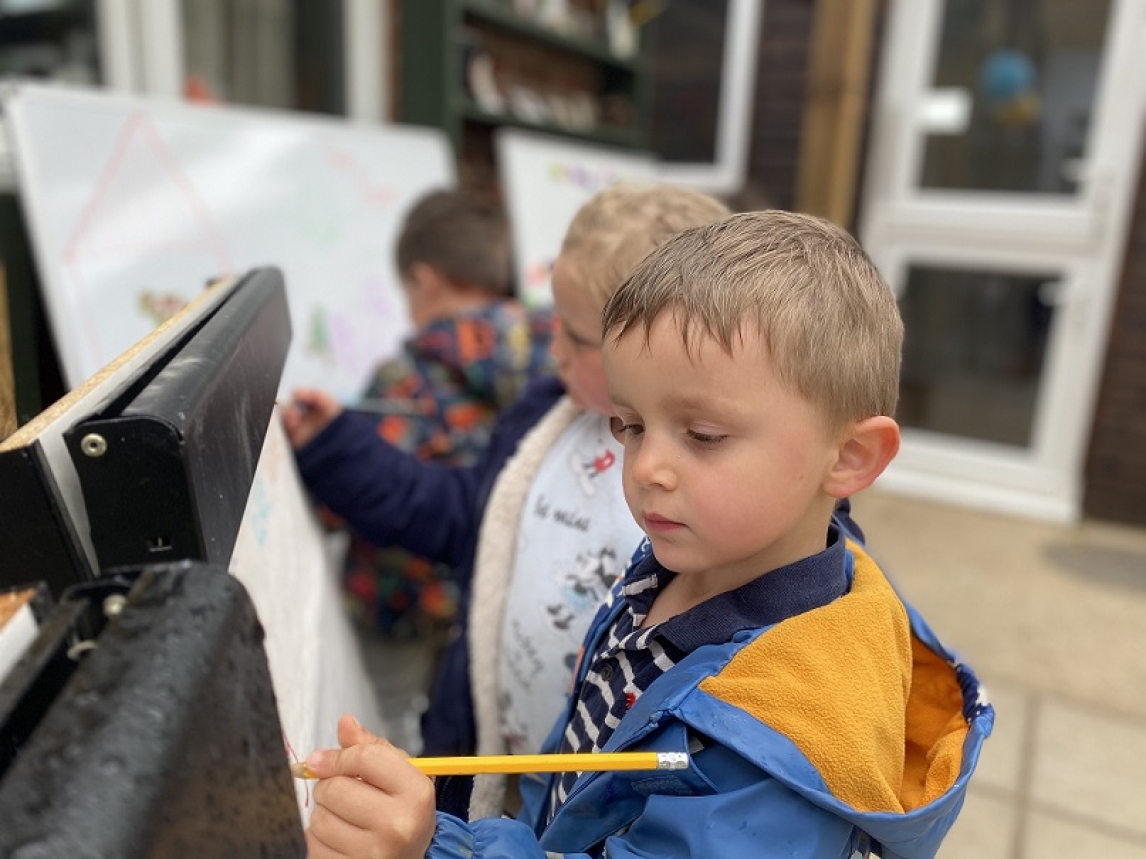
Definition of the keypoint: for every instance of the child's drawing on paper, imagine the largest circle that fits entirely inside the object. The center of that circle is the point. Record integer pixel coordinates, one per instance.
(142, 211)
(346, 338)
(282, 559)
(586, 178)
(160, 306)
(359, 177)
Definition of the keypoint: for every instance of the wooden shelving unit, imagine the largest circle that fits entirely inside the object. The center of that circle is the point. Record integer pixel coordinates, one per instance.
(470, 66)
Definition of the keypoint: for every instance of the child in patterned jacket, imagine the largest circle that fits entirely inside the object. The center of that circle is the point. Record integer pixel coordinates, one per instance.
(473, 350)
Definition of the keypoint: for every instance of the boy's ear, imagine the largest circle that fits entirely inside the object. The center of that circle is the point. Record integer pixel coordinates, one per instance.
(864, 453)
(430, 281)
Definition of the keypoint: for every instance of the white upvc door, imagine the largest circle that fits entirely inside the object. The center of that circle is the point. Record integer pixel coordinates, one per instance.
(1006, 143)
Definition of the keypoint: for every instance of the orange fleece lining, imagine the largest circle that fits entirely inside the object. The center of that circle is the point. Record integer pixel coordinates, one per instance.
(838, 682)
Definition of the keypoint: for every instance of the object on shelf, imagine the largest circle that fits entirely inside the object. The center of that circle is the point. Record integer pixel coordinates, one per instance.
(483, 84)
(479, 72)
(584, 23)
(618, 111)
(584, 111)
(576, 19)
(559, 110)
(528, 105)
(619, 28)
(574, 111)
(553, 14)
(541, 64)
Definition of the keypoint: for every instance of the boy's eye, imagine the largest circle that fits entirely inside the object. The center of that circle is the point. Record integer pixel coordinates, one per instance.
(622, 430)
(575, 340)
(706, 438)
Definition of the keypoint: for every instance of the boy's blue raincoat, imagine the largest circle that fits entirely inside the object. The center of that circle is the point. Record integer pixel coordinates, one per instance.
(841, 730)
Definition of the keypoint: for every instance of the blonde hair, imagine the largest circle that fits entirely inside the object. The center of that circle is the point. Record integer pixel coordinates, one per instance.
(828, 319)
(621, 224)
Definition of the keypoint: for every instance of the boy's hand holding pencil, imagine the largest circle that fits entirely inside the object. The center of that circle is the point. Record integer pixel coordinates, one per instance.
(369, 800)
(373, 800)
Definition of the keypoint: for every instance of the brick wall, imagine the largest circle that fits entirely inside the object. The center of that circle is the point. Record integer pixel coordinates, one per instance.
(778, 104)
(1116, 464)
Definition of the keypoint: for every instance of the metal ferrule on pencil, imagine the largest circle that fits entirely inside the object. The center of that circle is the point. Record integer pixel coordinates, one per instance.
(673, 760)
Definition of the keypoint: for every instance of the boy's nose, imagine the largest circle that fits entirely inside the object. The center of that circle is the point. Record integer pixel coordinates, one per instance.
(652, 463)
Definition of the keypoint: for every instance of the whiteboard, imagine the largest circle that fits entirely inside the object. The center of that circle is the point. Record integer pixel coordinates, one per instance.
(134, 204)
(546, 180)
(294, 578)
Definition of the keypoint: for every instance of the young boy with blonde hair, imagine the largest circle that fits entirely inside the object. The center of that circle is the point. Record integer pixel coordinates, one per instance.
(753, 369)
(535, 528)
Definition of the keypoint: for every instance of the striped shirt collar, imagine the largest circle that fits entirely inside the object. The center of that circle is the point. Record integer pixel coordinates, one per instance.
(768, 599)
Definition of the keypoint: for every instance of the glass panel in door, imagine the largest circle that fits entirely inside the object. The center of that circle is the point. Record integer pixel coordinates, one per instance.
(1023, 74)
(1006, 140)
(974, 348)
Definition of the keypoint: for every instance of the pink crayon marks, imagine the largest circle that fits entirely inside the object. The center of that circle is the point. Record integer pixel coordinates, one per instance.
(143, 219)
(347, 337)
(538, 273)
(377, 193)
(347, 329)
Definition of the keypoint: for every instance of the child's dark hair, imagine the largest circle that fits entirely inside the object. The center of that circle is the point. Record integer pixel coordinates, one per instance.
(464, 237)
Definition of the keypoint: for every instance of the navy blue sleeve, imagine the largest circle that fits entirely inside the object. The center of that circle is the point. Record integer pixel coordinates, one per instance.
(389, 497)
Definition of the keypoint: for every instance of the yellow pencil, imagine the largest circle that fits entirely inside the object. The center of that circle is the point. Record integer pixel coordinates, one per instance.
(576, 762)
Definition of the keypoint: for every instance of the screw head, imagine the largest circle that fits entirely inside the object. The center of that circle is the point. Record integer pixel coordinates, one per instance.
(93, 445)
(113, 604)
